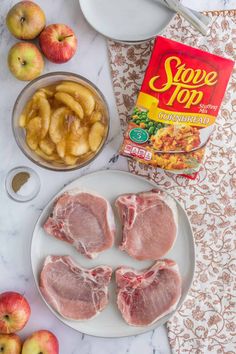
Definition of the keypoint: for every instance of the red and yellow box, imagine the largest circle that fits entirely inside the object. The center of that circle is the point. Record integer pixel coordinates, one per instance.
(176, 107)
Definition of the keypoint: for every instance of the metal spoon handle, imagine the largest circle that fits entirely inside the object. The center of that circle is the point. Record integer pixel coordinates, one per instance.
(197, 20)
(203, 18)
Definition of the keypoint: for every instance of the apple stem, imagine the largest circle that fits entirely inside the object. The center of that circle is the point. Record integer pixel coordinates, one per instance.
(22, 19)
(71, 35)
(21, 61)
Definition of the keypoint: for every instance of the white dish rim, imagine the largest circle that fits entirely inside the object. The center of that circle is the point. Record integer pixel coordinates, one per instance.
(152, 183)
(125, 41)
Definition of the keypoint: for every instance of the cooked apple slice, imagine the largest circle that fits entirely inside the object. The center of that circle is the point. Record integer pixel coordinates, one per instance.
(52, 157)
(95, 135)
(44, 113)
(70, 160)
(47, 146)
(61, 148)
(37, 95)
(24, 114)
(70, 102)
(96, 116)
(47, 92)
(57, 125)
(75, 126)
(81, 93)
(77, 144)
(33, 132)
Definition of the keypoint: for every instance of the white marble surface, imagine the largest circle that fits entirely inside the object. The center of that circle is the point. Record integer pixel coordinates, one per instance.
(17, 220)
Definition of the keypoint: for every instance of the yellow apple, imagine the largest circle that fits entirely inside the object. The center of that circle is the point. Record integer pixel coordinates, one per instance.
(25, 61)
(10, 344)
(25, 20)
(43, 342)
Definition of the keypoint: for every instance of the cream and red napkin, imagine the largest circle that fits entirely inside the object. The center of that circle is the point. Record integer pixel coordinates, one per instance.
(206, 322)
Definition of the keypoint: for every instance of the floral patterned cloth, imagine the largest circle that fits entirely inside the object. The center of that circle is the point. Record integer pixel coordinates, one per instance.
(206, 322)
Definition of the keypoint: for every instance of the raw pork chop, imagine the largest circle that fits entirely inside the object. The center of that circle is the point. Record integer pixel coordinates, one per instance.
(149, 223)
(145, 296)
(75, 292)
(83, 219)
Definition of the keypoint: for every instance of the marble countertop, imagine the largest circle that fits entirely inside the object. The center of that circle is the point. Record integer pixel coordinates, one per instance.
(17, 220)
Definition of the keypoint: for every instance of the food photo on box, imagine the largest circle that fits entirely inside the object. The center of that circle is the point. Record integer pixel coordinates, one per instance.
(117, 177)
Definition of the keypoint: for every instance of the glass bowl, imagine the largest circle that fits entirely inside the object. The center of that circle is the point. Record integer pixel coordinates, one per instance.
(27, 93)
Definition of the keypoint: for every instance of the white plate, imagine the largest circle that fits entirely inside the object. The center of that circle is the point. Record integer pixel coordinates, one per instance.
(127, 20)
(110, 184)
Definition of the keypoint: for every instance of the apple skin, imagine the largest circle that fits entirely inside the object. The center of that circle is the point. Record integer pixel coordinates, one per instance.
(58, 43)
(10, 344)
(25, 61)
(25, 20)
(43, 341)
(14, 312)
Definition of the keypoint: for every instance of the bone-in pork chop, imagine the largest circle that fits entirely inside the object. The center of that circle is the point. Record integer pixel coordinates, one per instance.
(84, 220)
(145, 296)
(149, 222)
(75, 292)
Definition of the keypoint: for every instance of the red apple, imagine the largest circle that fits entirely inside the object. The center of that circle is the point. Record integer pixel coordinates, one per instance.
(43, 342)
(10, 344)
(58, 43)
(25, 61)
(14, 312)
(25, 20)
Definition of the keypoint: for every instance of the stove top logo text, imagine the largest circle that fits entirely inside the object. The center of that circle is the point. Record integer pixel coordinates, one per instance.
(186, 82)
